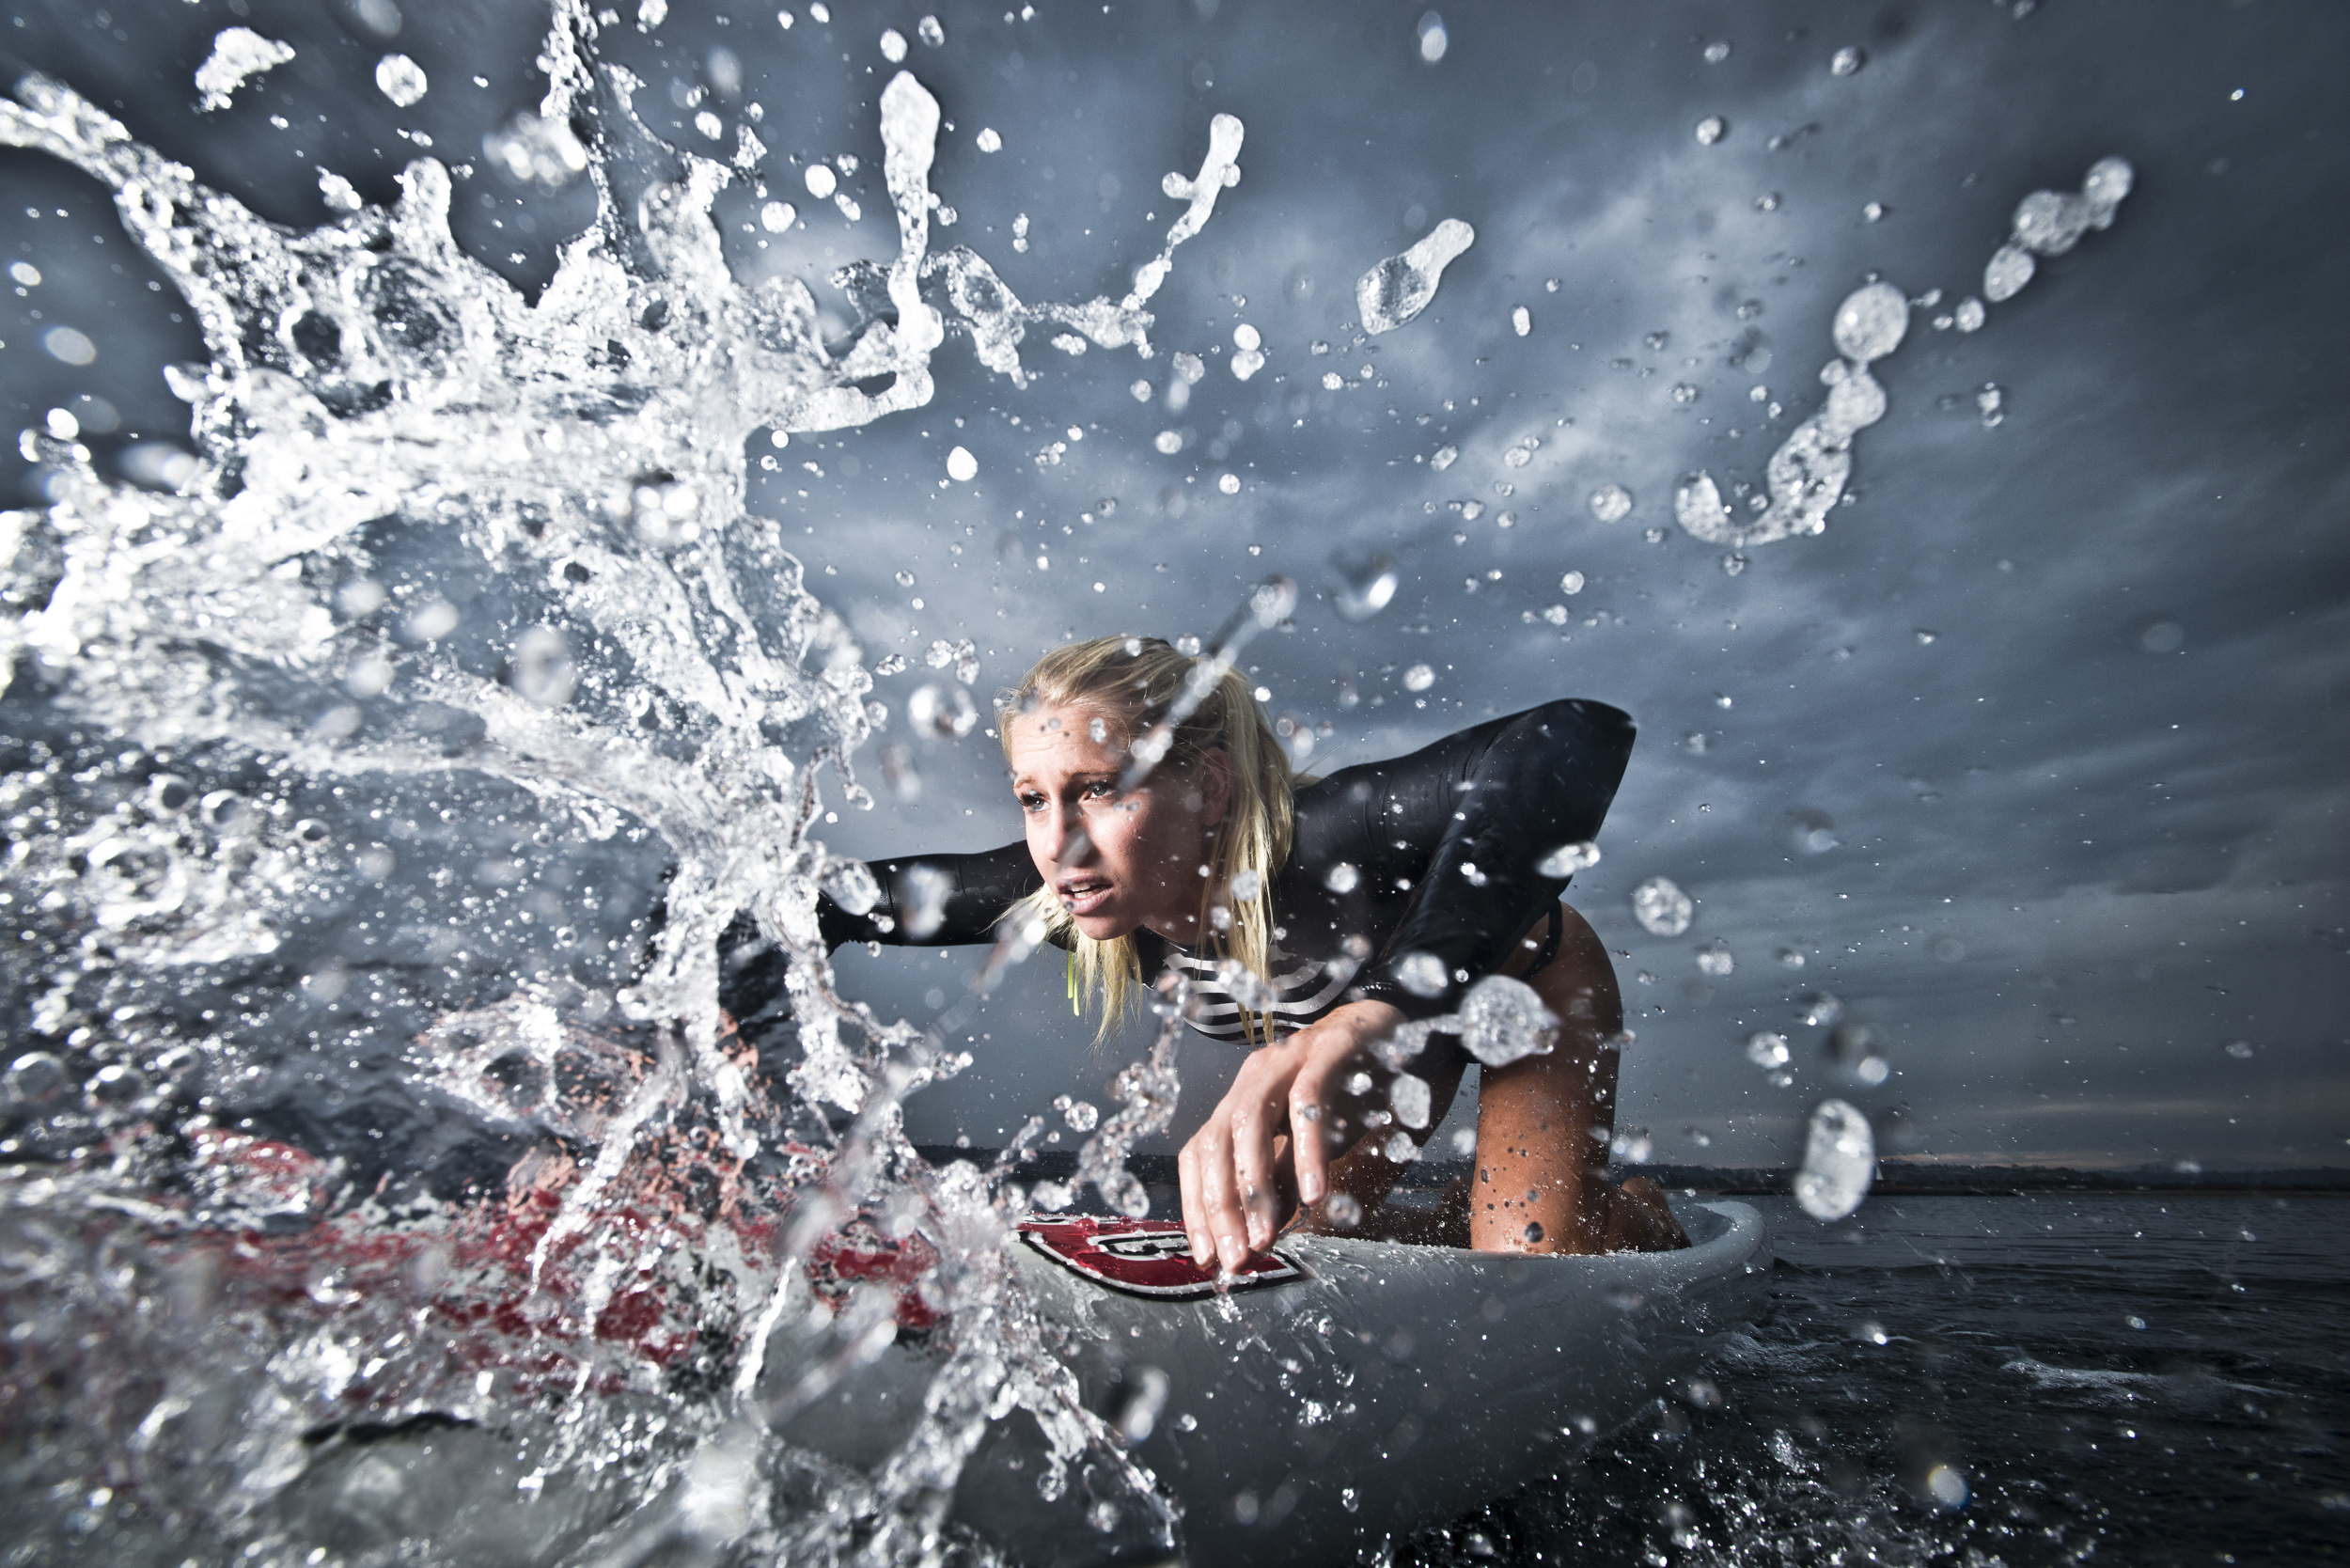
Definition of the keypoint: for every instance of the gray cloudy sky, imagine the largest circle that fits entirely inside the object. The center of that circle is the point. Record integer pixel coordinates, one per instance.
(2085, 837)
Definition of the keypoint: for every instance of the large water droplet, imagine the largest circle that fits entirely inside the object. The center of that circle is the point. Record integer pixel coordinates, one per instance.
(1399, 288)
(1433, 38)
(400, 79)
(1870, 323)
(1611, 503)
(1662, 908)
(1839, 1162)
(2004, 275)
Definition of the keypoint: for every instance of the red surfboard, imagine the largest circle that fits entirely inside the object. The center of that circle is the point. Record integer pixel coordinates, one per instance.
(1142, 1257)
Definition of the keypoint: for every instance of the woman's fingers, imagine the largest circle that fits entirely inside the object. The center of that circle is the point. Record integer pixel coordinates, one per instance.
(1194, 1212)
(1219, 1205)
(1310, 1112)
(1256, 1120)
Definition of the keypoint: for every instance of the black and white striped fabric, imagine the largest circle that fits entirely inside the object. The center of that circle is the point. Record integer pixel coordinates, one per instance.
(1301, 992)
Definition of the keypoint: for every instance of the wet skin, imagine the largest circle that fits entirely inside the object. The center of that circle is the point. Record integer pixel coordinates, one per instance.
(1122, 862)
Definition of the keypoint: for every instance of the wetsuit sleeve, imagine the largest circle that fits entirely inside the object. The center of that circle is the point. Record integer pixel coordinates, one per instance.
(1484, 807)
(971, 895)
(966, 894)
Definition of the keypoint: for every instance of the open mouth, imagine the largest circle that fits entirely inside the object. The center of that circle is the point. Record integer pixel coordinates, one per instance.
(1084, 895)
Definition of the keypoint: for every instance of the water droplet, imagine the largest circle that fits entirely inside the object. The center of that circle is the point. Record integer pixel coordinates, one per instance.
(962, 466)
(1839, 1162)
(930, 32)
(1567, 859)
(1717, 52)
(1432, 38)
(69, 346)
(1970, 314)
(1444, 458)
(1422, 974)
(239, 54)
(2240, 1049)
(1662, 908)
(1571, 582)
(1685, 394)
(893, 45)
(1715, 959)
(1872, 211)
(1870, 323)
(776, 217)
(400, 79)
(1711, 129)
(1418, 678)
(988, 140)
(1399, 288)
(1411, 1099)
(822, 181)
(1611, 503)
(2004, 275)
(529, 149)
(1345, 1213)
(942, 712)
(1767, 1049)
(542, 670)
(1988, 403)
(1847, 60)
(434, 620)
(1522, 320)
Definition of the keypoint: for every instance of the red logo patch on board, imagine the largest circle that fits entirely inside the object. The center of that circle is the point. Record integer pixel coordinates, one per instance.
(1143, 1257)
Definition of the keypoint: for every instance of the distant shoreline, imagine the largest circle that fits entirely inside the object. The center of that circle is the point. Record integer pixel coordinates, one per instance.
(1895, 1179)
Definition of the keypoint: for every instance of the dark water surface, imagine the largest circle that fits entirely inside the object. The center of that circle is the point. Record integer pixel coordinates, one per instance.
(2033, 1379)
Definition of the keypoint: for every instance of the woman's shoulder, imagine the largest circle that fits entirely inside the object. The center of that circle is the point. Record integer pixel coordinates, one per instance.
(1565, 720)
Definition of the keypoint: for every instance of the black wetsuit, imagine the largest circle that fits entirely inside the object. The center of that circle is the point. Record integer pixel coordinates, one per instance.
(1433, 854)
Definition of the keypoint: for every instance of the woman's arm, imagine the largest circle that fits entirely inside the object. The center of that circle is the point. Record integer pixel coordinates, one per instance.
(935, 900)
(930, 900)
(1477, 812)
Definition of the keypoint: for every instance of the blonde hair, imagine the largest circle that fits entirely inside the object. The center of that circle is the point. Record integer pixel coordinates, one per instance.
(1133, 685)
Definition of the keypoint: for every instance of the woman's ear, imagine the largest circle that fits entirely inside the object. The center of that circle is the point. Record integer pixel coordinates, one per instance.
(1215, 786)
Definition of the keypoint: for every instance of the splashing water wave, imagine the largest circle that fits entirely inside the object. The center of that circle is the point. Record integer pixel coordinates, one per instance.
(489, 555)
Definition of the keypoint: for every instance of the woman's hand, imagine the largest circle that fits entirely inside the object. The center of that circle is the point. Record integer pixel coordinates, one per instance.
(1239, 1183)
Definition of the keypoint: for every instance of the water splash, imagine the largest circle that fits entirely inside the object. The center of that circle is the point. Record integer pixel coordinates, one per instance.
(483, 560)
(1806, 476)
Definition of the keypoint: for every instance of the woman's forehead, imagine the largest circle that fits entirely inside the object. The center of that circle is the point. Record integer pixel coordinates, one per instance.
(1066, 735)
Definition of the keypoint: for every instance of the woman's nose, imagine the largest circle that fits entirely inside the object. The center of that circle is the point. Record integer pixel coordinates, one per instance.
(1065, 837)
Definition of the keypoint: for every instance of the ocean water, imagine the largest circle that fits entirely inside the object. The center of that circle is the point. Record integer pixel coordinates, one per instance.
(2019, 1380)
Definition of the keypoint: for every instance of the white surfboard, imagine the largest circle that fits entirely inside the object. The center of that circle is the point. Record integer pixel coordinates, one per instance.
(1341, 1391)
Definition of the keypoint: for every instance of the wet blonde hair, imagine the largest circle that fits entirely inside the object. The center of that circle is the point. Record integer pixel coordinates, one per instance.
(1133, 684)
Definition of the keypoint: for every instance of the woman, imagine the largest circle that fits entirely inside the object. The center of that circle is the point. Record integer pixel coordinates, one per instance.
(1311, 922)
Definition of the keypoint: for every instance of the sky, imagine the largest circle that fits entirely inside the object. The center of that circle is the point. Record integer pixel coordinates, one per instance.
(2034, 758)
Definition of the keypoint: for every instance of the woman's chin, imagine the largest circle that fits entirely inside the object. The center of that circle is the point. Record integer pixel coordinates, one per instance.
(1101, 925)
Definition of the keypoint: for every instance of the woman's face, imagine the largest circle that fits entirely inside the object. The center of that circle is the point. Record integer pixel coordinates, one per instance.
(1116, 861)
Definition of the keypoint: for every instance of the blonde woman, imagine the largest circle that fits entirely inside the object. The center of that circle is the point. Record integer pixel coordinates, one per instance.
(1311, 922)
